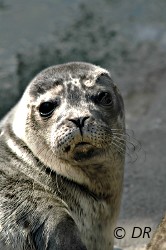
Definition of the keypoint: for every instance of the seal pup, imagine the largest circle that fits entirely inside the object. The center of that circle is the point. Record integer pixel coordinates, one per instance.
(62, 152)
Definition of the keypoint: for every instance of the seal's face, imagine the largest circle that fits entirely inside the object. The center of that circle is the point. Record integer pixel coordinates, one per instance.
(72, 113)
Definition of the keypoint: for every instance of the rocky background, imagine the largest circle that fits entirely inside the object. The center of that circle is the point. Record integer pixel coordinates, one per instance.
(127, 37)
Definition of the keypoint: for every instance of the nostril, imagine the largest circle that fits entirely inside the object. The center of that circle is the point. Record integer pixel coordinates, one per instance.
(79, 122)
(83, 120)
(75, 121)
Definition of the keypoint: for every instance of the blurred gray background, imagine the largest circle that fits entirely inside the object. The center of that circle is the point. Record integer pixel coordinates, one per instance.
(129, 39)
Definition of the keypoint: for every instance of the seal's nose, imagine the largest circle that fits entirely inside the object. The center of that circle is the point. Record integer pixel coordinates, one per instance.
(79, 122)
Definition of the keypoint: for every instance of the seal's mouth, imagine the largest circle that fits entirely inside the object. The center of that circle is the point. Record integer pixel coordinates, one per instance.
(82, 155)
(81, 151)
(82, 145)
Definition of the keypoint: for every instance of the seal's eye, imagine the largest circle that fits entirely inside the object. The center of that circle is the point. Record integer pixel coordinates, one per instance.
(46, 108)
(104, 98)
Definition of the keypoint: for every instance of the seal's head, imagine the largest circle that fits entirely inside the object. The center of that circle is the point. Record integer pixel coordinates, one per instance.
(70, 114)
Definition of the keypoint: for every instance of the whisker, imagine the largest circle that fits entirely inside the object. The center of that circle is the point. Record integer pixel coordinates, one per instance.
(57, 185)
(127, 135)
(40, 151)
(121, 150)
(119, 140)
(136, 145)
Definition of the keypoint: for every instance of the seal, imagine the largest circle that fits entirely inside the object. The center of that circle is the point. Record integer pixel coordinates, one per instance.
(159, 238)
(62, 152)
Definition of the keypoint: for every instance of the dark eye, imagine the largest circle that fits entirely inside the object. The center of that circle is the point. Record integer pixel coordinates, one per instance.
(104, 98)
(46, 108)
